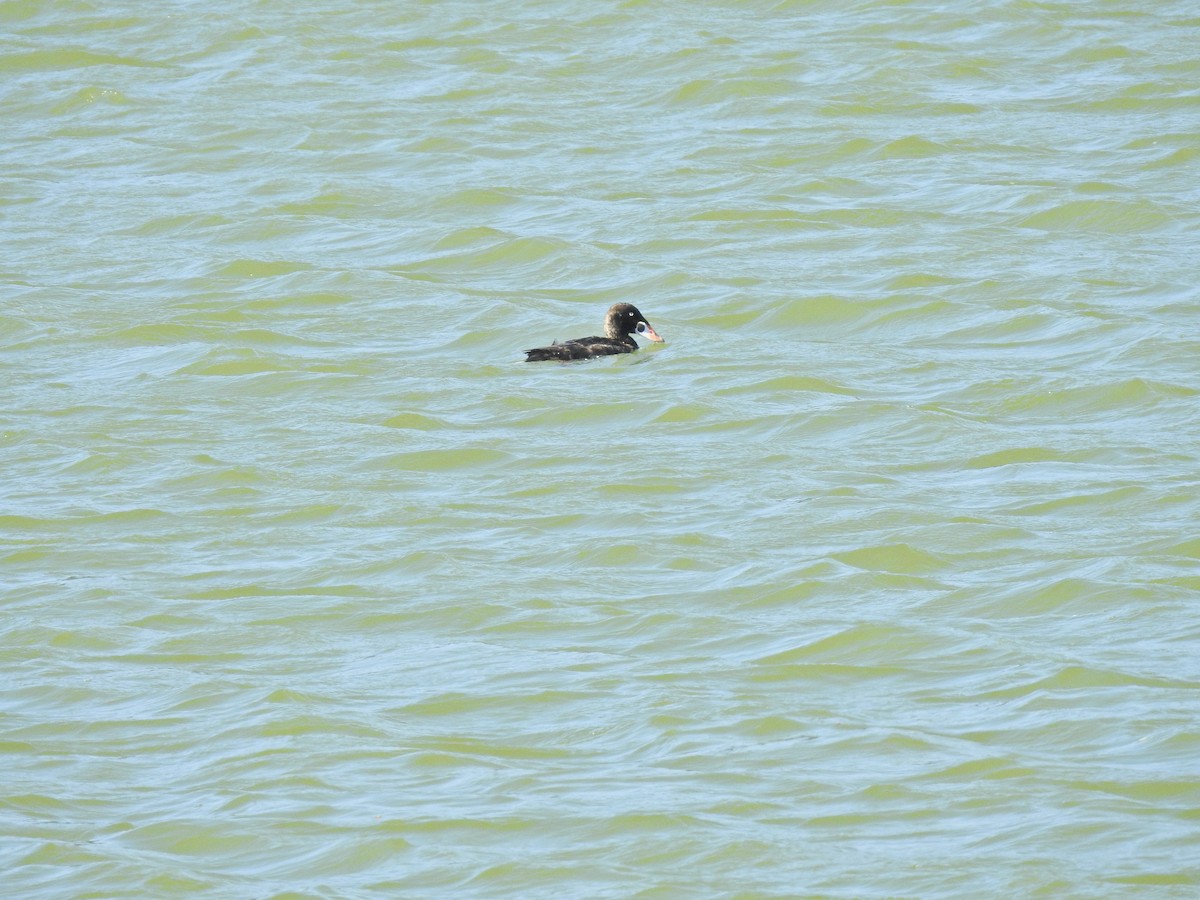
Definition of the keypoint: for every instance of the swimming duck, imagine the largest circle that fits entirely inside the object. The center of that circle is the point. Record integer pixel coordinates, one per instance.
(622, 322)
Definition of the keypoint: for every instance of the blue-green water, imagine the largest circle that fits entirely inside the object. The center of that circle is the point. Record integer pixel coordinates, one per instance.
(878, 579)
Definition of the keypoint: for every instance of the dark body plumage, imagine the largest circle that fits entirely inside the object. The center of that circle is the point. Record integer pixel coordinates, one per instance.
(622, 322)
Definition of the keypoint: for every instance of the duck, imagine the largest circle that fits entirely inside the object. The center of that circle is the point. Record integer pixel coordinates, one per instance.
(620, 324)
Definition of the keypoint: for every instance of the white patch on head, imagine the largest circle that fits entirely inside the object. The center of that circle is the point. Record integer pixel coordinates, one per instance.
(641, 328)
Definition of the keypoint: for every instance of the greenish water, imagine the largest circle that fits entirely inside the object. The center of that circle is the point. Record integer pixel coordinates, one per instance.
(878, 579)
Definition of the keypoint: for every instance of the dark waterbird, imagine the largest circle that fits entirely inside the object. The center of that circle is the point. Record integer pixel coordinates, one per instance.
(622, 322)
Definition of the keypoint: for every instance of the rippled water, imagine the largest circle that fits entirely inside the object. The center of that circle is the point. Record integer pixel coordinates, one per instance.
(879, 579)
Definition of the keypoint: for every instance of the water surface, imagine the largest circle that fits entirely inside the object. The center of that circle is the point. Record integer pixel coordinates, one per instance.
(878, 579)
